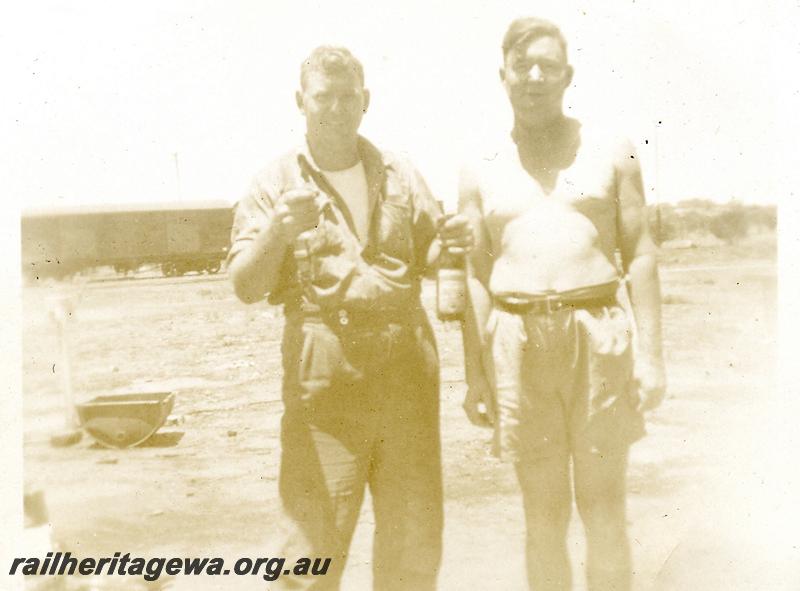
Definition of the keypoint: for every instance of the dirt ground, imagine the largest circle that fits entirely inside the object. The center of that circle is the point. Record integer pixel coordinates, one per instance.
(206, 484)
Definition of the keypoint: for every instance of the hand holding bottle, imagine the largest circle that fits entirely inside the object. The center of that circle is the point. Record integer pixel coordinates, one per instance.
(456, 239)
(455, 234)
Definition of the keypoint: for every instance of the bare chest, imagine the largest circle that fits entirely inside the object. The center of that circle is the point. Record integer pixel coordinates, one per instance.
(578, 200)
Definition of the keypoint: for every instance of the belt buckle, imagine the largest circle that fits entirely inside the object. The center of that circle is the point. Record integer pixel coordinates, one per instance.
(344, 318)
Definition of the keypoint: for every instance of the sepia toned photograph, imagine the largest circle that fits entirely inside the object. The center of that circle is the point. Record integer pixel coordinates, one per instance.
(400, 296)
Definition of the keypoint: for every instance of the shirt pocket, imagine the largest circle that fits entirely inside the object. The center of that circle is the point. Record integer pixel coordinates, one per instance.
(395, 237)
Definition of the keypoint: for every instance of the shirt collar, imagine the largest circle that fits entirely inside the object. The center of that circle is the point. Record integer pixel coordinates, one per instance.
(373, 159)
(376, 165)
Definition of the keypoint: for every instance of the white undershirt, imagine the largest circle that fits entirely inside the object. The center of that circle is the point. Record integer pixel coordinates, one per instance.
(351, 184)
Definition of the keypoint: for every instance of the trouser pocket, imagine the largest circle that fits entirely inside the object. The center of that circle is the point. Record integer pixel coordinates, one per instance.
(613, 419)
(314, 362)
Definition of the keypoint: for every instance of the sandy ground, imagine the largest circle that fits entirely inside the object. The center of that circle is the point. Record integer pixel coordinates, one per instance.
(699, 492)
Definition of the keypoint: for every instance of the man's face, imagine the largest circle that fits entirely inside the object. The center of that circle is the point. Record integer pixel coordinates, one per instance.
(333, 104)
(535, 75)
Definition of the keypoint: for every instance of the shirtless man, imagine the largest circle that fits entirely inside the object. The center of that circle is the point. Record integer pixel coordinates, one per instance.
(560, 232)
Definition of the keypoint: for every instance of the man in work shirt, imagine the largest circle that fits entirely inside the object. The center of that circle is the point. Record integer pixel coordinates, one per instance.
(340, 233)
(549, 353)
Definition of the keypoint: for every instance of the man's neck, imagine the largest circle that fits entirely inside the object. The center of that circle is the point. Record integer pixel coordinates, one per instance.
(334, 156)
(546, 132)
(544, 151)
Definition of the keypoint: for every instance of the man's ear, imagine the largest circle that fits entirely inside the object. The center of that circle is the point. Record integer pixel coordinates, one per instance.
(298, 99)
(568, 75)
(502, 73)
(366, 100)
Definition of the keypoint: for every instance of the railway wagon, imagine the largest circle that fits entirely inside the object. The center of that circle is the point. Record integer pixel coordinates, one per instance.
(177, 237)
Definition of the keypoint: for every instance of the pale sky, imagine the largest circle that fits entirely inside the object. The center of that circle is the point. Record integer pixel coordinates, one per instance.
(105, 98)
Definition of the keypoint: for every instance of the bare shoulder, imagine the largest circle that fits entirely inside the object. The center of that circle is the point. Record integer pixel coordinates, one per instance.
(619, 153)
(610, 143)
(624, 156)
(634, 236)
(484, 168)
(469, 185)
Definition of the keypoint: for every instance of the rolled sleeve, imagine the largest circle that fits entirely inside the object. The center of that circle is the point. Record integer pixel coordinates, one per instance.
(251, 214)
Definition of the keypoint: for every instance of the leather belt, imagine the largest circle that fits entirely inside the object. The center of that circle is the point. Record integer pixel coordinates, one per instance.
(359, 320)
(547, 303)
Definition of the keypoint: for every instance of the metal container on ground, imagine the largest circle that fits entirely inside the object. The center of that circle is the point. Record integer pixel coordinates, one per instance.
(125, 420)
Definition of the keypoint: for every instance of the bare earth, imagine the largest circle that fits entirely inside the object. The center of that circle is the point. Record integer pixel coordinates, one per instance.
(206, 484)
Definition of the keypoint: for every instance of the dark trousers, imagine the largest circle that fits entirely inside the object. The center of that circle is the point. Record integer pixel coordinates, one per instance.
(362, 407)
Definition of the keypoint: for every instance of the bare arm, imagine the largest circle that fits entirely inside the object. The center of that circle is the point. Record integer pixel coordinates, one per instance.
(639, 262)
(479, 305)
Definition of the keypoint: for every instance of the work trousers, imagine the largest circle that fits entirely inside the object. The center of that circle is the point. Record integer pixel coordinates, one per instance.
(362, 408)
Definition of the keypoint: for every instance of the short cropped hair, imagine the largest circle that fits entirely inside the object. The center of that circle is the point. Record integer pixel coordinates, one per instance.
(331, 60)
(527, 29)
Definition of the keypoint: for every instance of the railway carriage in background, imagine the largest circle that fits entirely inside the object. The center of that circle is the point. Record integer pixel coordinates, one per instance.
(177, 237)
